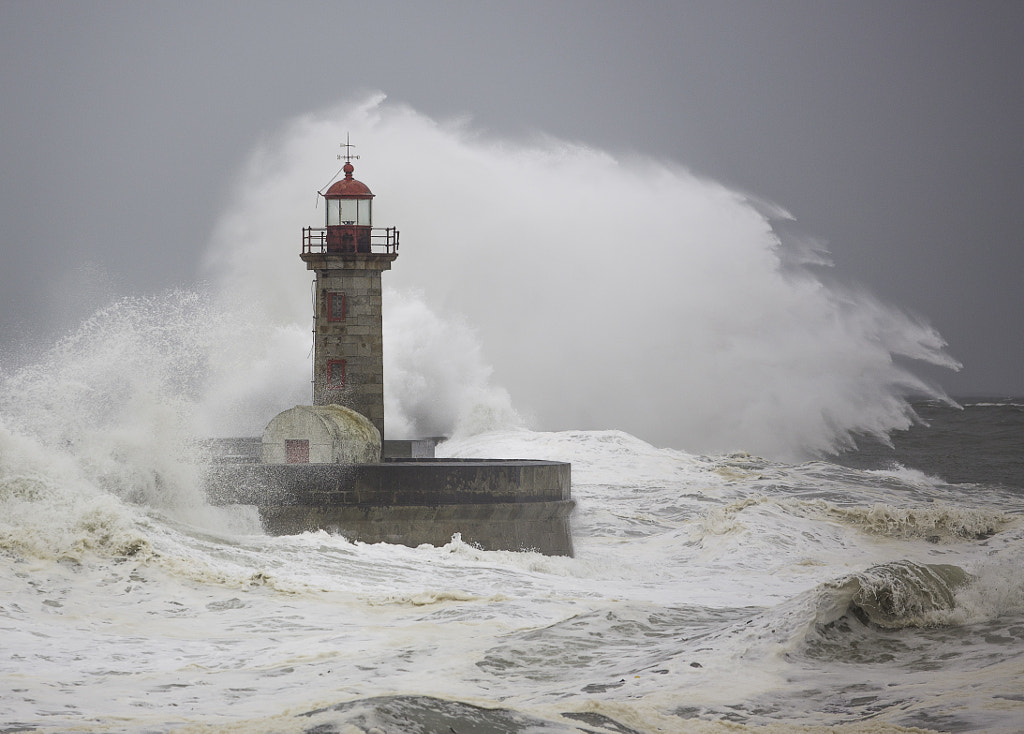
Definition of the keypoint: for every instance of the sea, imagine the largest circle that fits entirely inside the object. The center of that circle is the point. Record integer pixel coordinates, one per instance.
(878, 590)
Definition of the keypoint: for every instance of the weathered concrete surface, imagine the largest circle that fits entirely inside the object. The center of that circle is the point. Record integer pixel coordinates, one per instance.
(351, 333)
(416, 448)
(533, 526)
(496, 504)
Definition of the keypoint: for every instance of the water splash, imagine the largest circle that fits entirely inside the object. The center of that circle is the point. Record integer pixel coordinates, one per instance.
(101, 422)
(606, 292)
(437, 380)
(539, 278)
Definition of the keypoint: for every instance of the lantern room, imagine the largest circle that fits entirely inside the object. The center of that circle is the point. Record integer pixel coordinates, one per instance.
(349, 214)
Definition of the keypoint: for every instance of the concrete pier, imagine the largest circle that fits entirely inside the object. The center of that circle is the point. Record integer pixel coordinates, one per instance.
(494, 504)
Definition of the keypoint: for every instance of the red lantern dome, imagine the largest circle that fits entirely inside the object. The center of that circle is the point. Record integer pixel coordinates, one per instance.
(349, 214)
(348, 187)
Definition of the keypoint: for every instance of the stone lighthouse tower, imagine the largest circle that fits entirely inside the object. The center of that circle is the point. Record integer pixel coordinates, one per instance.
(348, 256)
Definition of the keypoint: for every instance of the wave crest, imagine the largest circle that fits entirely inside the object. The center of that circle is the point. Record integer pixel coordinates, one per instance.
(895, 595)
(936, 522)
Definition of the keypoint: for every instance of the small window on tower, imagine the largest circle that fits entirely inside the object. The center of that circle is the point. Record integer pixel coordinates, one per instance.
(335, 374)
(336, 306)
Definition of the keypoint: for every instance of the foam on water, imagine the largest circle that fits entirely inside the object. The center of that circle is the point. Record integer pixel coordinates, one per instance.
(936, 522)
(668, 614)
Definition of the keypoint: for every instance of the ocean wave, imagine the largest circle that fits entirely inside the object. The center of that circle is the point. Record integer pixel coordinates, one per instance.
(42, 522)
(905, 475)
(904, 594)
(1008, 403)
(49, 511)
(937, 522)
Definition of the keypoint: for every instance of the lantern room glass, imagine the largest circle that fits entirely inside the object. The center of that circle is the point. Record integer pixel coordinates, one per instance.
(350, 211)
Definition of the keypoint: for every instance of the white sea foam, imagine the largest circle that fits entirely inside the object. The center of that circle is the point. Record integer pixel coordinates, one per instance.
(657, 603)
(905, 475)
(936, 521)
(995, 590)
(1000, 404)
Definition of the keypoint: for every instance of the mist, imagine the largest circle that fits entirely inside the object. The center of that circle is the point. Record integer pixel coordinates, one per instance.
(547, 281)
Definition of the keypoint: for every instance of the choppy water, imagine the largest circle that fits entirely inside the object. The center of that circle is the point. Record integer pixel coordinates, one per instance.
(981, 441)
(706, 591)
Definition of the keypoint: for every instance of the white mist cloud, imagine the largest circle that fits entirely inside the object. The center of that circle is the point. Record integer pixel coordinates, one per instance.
(606, 293)
(438, 382)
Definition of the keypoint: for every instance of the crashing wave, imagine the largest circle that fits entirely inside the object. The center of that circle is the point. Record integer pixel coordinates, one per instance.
(899, 594)
(935, 522)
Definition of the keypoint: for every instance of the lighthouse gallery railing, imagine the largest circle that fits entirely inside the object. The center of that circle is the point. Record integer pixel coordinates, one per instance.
(383, 241)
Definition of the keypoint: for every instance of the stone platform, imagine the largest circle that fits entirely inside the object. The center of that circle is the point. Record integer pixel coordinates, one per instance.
(494, 504)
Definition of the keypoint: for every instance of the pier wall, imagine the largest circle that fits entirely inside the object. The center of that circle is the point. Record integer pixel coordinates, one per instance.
(495, 504)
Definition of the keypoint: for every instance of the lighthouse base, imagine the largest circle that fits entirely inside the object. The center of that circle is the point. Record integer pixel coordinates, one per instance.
(516, 505)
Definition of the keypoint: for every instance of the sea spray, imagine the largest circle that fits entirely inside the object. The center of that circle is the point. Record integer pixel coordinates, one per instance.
(115, 415)
(50, 510)
(437, 381)
(102, 422)
(604, 291)
(115, 396)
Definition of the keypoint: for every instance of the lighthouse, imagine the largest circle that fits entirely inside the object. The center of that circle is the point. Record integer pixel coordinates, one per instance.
(325, 466)
(348, 256)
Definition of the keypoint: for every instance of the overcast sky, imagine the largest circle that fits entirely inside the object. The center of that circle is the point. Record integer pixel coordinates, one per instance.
(892, 130)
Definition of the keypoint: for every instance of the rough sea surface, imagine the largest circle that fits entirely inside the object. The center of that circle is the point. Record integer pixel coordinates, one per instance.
(708, 593)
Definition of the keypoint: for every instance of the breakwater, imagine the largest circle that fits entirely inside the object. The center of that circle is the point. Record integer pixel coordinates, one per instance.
(498, 504)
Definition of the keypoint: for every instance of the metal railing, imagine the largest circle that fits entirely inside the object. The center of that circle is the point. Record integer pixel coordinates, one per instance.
(381, 241)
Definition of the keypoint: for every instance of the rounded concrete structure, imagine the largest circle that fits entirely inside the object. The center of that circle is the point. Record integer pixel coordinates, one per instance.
(320, 434)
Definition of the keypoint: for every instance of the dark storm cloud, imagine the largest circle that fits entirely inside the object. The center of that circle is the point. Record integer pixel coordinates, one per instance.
(891, 130)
